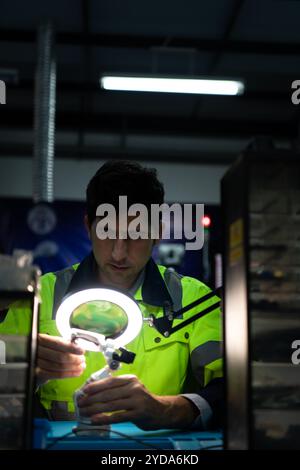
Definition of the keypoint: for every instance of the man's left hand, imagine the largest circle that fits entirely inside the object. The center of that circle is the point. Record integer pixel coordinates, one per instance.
(129, 400)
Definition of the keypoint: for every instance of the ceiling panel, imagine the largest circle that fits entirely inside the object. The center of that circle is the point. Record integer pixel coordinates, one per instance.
(166, 18)
(26, 15)
(273, 21)
(228, 38)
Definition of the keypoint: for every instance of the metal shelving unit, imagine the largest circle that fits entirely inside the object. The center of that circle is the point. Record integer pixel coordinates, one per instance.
(261, 209)
(18, 282)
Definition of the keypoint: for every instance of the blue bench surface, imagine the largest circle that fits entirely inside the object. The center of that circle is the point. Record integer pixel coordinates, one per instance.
(58, 435)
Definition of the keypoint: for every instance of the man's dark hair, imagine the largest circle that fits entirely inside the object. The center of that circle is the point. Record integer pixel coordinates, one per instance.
(123, 178)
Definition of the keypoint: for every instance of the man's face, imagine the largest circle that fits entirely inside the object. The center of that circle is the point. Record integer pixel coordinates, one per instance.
(119, 260)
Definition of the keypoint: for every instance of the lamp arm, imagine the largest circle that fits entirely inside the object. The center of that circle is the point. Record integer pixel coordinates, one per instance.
(164, 324)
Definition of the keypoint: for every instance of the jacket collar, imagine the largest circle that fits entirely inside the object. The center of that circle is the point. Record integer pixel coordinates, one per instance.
(153, 292)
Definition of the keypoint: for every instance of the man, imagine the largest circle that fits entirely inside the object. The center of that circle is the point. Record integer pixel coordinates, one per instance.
(174, 382)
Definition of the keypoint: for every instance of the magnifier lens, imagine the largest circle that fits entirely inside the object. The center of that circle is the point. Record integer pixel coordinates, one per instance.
(100, 316)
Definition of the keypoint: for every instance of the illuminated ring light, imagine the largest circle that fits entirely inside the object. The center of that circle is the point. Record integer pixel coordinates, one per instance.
(130, 307)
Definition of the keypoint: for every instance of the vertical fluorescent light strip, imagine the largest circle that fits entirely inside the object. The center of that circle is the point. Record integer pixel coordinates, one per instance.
(172, 85)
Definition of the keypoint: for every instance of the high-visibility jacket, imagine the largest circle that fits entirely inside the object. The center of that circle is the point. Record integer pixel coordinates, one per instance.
(186, 361)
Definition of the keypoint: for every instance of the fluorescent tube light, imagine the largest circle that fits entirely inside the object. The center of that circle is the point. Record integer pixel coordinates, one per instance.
(172, 85)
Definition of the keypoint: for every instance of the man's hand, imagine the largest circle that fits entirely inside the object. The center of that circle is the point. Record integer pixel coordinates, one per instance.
(131, 401)
(58, 359)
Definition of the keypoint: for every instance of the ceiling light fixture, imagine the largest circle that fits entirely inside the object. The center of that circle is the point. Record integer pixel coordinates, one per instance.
(172, 85)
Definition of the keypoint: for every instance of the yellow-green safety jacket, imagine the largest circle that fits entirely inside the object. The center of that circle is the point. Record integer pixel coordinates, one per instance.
(188, 361)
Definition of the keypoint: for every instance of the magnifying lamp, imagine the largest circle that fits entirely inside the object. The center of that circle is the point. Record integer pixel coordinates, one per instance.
(102, 320)
(106, 320)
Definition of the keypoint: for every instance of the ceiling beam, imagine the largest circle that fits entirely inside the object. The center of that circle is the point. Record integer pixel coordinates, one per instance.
(229, 28)
(95, 153)
(170, 125)
(146, 42)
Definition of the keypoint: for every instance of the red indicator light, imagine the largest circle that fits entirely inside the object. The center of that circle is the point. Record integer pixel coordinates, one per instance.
(206, 221)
